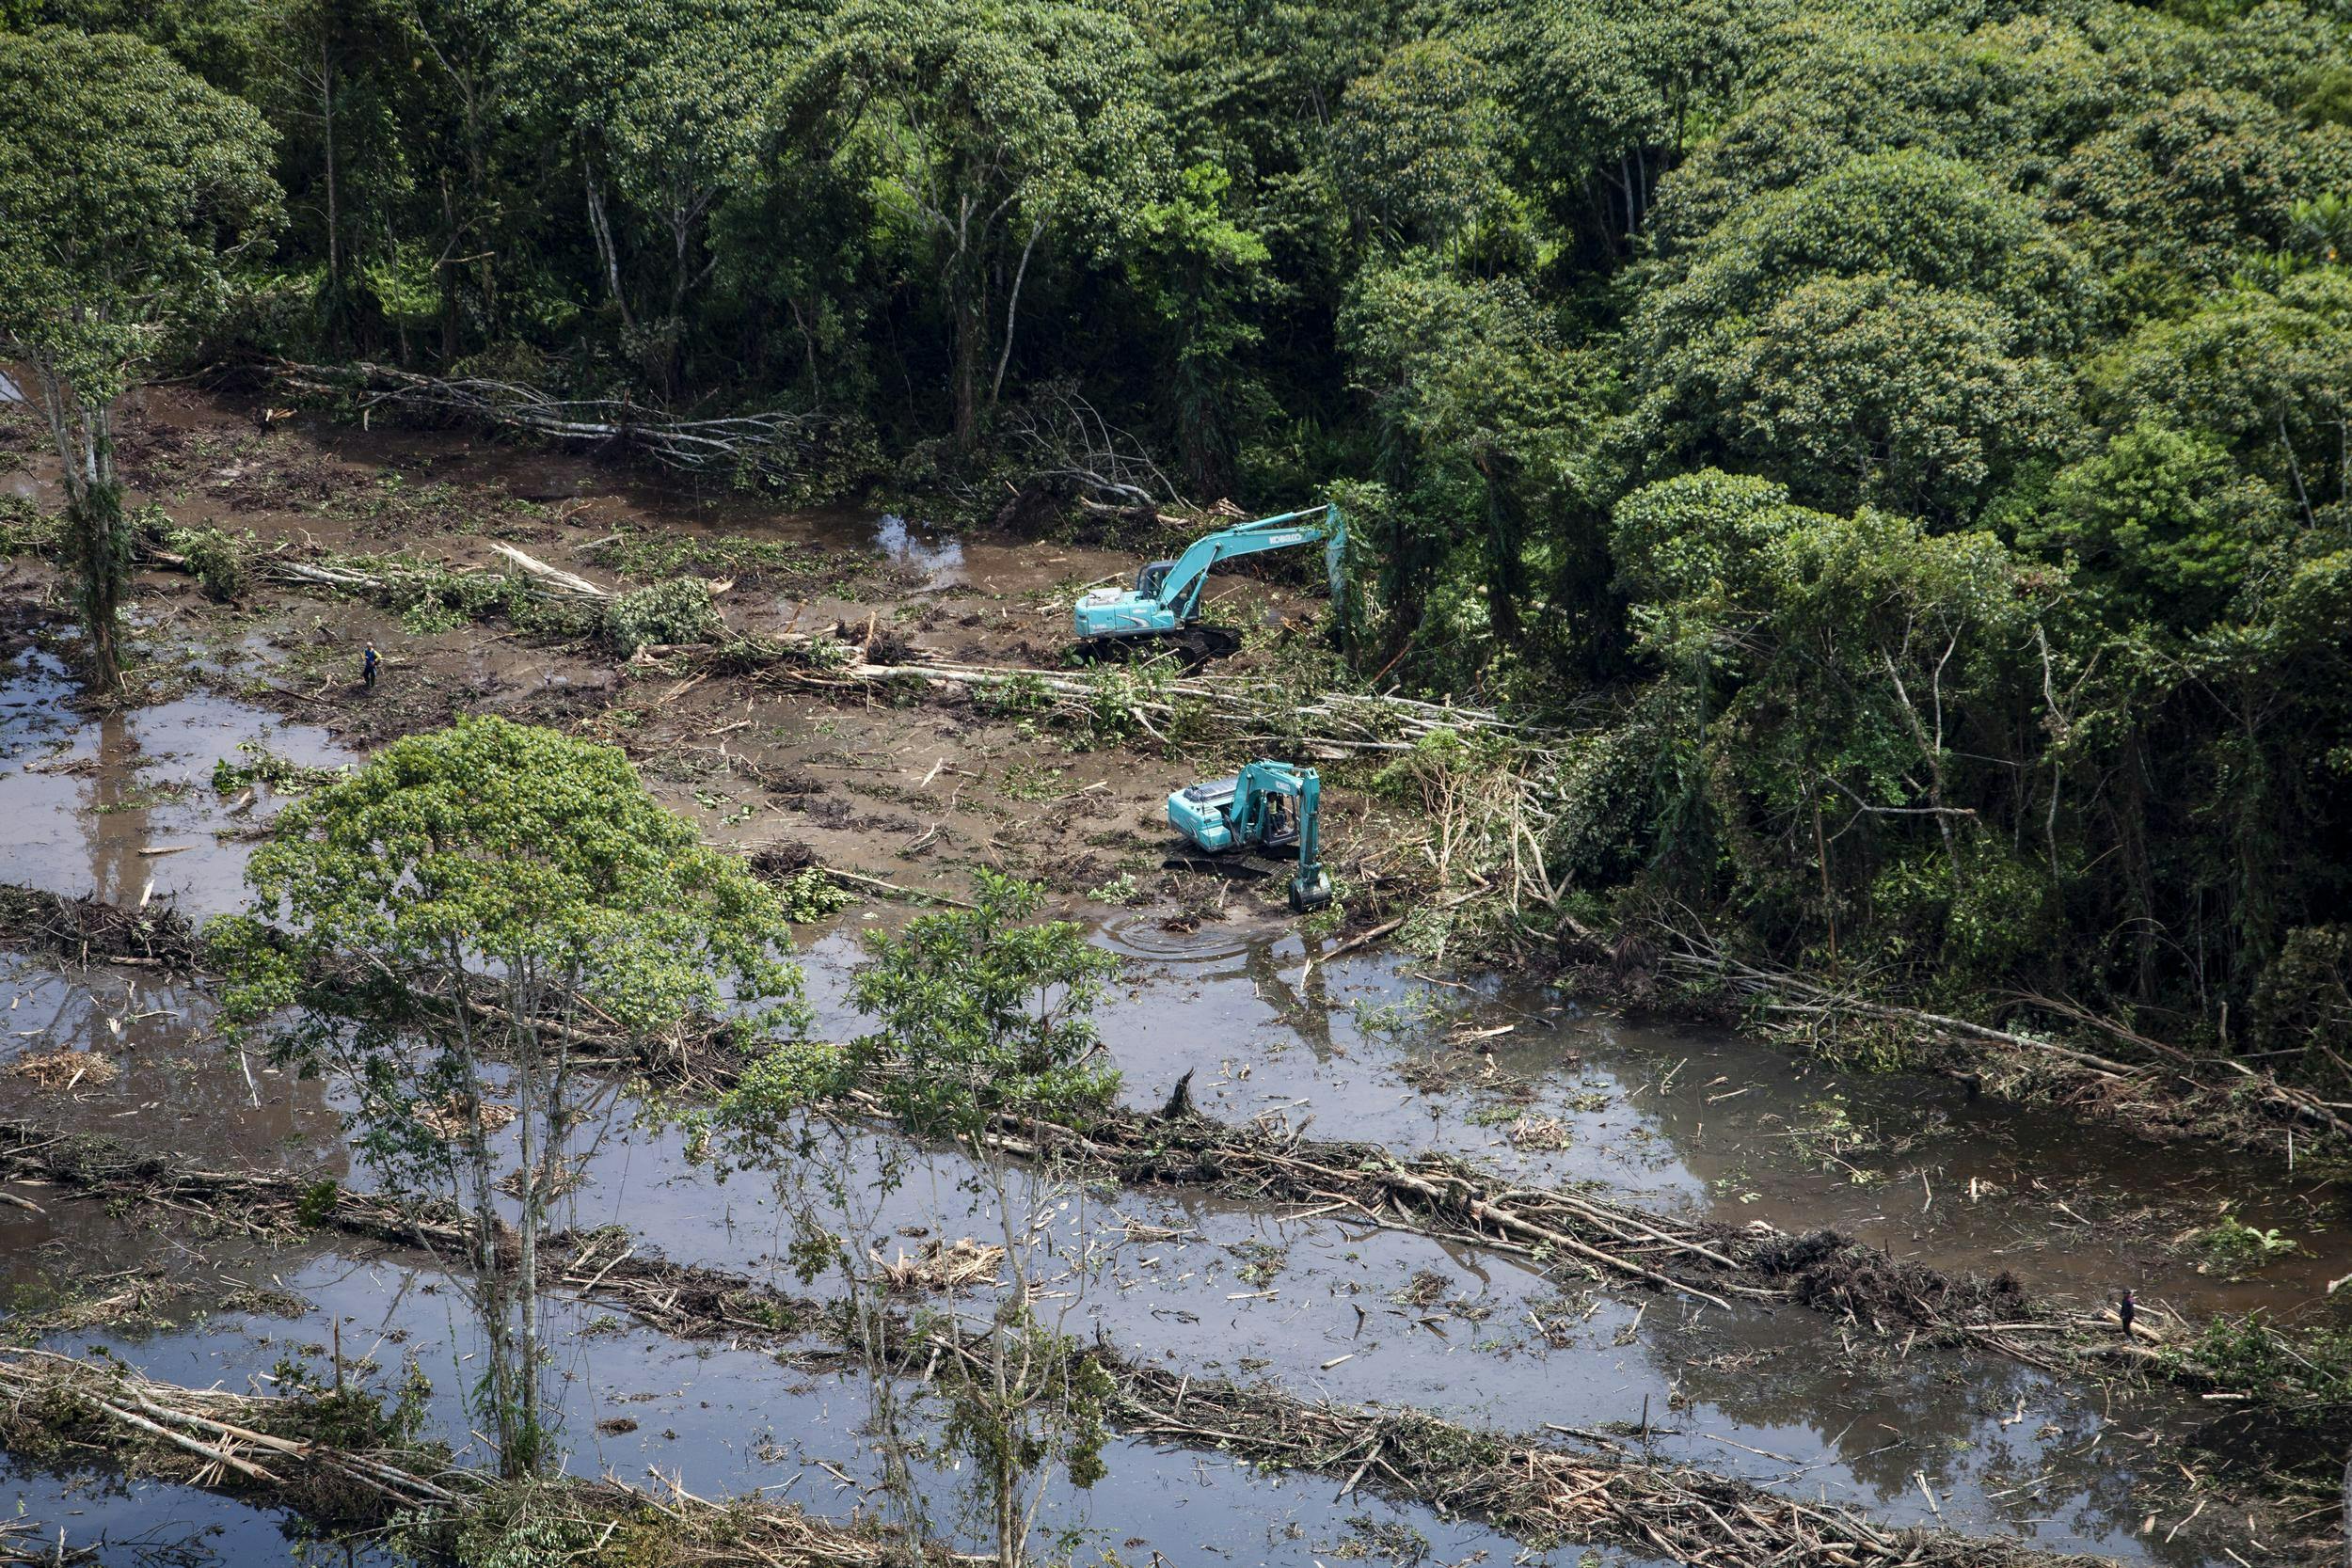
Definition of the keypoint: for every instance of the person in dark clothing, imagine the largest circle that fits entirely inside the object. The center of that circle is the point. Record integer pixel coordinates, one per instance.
(2126, 1309)
(368, 661)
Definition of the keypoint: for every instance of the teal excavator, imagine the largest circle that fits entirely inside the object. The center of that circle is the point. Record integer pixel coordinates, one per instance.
(1267, 806)
(1163, 607)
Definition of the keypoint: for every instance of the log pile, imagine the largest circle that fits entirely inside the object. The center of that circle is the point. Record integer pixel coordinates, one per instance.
(1541, 1492)
(258, 1203)
(248, 1443)
(773, 445)
(1327, 726)
(305, 1452)
(2162, 1087)
(89, 930)
(679, 1299)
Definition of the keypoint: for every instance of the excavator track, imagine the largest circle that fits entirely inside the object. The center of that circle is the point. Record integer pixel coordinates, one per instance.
(1195, 646)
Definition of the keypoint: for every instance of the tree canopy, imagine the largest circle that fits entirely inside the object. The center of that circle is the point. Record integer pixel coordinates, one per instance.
(127, 187)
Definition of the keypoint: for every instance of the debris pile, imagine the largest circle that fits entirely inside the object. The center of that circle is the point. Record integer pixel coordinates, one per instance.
(89, 930)
(66, 1070)
(961, 1264)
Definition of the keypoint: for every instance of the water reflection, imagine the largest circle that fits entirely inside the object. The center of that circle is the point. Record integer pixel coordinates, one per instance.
(938, 557)
(123, 804)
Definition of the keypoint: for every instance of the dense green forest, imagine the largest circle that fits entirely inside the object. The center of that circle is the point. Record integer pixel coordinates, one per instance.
(1905, 441)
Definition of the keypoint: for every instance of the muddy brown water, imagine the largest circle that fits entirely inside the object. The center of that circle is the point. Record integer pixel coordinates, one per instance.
(1706, 1123)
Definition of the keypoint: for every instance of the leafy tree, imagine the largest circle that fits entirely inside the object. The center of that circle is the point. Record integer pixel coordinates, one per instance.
(987, 128)
(1416, 147)
(2266, 373)
(983, 1020)
(1838, 663)
(330, 72)
(1479, 406)
(2165, 517)
(126, 188)
(1610, 95)
(1912, 214)
(669, 108)
(442, 931)
(2191, 185)
(1867, 389)
(1206, 276)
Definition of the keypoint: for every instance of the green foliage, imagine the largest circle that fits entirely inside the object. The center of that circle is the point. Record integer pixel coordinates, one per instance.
(677, 611)
(125, 184)
(1015, 697)
(2231, 1246)
(982, 1012)
(26, 530)
(218, 560)
(498, 844)
(263, 766)
(433, 930)
(981, 129)
(121, 178)
(809, 895)
(2189, 184)
(1417, 145)
(2166, 517)
(2251, 1353)
(1904, 446)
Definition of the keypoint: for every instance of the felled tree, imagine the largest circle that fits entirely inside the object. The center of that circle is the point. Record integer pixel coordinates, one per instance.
(443, 932)
(126, 185)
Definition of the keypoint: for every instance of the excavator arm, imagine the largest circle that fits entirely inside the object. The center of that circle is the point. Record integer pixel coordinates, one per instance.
(1265, 807)
(1179, 587)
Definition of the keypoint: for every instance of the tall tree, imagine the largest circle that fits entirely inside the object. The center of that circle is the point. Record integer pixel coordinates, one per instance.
(326, 71)
(990, 127)
(984, 1018)
(125, 184)
(666, 108)
(437, 933)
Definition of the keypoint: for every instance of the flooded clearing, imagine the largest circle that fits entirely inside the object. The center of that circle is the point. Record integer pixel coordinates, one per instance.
(1328, 1309)
(157, 804)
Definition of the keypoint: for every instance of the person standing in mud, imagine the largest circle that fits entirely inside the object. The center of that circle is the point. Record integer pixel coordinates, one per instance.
(368, 661)
(2125, 1309)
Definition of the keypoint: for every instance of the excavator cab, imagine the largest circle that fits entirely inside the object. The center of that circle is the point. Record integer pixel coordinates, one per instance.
(1149, 577)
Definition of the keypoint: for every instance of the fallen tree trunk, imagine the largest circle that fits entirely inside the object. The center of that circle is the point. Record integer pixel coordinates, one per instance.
(334, 1460)
(2215, 1091)
(250, 1445)
(773, 445)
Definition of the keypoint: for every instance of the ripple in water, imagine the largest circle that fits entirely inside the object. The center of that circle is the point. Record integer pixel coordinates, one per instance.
(1143, 936)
